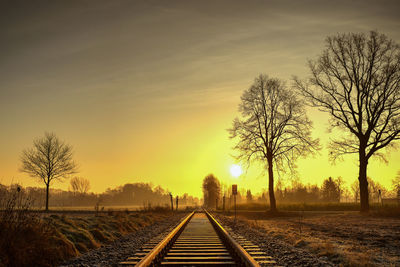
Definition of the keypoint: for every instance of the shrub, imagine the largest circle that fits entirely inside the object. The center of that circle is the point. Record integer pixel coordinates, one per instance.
(25, 239)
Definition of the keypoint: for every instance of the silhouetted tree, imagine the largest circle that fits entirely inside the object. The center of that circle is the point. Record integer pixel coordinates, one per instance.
(357, 81)
(49, 159)
(340, 185)
(249, 196)
(298, 192)
(211, 191)
(330, 191)
(355, 188)
(274, 128)
(80, 185)
(396, 182)
(262, 198)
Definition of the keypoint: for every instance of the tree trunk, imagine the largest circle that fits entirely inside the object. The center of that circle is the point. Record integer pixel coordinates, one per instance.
(362, 178)
(272, 201)
(47, 197)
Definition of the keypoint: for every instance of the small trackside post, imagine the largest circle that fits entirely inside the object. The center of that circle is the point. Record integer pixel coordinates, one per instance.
(234, 193)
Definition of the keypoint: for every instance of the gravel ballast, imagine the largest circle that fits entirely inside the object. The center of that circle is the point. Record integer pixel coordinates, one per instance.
(121, 249)
(283, 253)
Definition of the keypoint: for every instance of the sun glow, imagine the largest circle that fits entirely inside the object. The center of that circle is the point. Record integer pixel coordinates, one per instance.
(236, 170)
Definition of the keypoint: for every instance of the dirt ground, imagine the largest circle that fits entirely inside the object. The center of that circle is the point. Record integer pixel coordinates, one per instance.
(346, 238)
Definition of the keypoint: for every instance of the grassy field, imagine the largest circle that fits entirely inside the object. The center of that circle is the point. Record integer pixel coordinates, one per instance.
(91, 208)
(337, 230)
(375, 207)
(88, 232)
(106, 208)
(34, 237)
(45, 239)
(346, 238)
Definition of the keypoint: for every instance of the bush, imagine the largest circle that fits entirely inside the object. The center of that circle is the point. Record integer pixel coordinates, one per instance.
(29, 239)
(25, 239)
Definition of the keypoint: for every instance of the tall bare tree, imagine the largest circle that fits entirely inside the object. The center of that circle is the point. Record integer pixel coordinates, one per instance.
(80, 185)
(49, 159)
(357, 81)
(274, 128)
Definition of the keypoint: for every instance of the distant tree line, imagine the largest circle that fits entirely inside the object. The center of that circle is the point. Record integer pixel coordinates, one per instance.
(131, 194)
(332, 190)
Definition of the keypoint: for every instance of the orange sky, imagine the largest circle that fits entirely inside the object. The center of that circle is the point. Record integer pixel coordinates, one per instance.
(144, 91)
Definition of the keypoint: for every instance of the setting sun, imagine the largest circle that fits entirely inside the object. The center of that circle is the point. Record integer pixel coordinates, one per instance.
(236, 170)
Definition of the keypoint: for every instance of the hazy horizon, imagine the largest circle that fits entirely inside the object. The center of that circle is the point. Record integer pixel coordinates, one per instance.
(145, 90)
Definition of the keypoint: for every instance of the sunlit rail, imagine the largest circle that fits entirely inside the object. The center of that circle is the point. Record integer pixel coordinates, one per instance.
(199, 240)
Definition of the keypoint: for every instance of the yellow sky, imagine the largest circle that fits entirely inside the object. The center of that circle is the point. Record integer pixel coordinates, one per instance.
(144, 91)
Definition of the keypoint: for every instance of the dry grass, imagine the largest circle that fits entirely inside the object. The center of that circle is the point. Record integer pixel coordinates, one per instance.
(90, 232)
(30, 238)
(353, 258)
(25, 239)
(344, 238)
(325, 248)
(376, 208)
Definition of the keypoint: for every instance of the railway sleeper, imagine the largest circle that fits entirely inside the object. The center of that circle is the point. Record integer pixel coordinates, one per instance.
(199, 241)
(200, 263)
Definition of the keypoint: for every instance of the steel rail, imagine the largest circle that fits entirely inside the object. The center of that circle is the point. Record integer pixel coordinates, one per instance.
(239, 255)
(234, 246)
(154, 255)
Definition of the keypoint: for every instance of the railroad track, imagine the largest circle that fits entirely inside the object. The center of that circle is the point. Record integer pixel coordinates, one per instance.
(199, 240)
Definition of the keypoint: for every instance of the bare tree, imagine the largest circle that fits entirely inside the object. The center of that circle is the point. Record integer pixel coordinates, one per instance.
(396, 182)
(355, 188)
(80, 185)
(274, 128)
(49, 159)
(357, 81)
(340, 185)
(249, 196)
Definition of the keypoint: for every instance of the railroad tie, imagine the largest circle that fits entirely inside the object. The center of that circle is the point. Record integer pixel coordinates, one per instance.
(199, 240)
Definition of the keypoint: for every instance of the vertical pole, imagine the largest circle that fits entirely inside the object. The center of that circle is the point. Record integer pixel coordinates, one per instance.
(234, 199)
(172, 202)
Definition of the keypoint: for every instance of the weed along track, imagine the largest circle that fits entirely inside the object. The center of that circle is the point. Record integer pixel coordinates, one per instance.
(199, 240)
